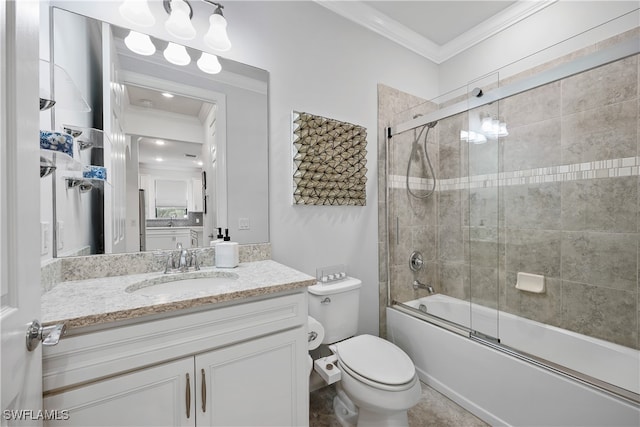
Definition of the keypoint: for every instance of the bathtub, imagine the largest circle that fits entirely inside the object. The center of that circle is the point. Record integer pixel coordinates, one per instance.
(506, 390)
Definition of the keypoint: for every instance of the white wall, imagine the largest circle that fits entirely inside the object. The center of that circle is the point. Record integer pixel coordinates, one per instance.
(323, 64)
(549, 27)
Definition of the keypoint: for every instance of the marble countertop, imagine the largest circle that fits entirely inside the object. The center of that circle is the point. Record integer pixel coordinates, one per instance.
(91, 302)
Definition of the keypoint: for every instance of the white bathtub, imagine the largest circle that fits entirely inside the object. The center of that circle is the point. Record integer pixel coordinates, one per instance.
(504, 390)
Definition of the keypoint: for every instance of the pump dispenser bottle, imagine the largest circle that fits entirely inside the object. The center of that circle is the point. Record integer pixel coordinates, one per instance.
(227, 254)
(219, 238)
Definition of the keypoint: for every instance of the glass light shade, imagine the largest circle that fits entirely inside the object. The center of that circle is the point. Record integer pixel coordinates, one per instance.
(216, 38)
(179, 24)
(209, 63)
(137, 12)
(140, 43)
(177, 54)
(487, 125)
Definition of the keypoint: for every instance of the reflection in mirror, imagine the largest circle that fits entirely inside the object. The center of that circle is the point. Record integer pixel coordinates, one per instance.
(214, 131)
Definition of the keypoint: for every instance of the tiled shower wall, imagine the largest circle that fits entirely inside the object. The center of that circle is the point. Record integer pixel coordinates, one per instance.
(558, 196)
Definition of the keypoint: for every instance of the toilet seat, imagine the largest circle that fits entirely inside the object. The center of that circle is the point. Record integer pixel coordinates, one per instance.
(376, 362)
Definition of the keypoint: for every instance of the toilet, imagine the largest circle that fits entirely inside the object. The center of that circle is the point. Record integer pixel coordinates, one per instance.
(378, 382)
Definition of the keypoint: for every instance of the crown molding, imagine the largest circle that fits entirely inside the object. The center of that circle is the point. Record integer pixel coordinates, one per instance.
(382, 24)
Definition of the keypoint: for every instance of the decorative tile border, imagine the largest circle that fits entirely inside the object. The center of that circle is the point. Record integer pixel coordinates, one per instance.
(628, 166)
(329, 159)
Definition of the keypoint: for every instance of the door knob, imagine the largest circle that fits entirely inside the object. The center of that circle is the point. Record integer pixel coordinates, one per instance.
(49, 335)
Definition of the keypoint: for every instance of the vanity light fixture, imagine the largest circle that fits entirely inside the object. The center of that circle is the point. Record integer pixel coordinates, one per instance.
(177, 54)
(217, 38)
(179, 23)
(137, 12)
(209, 63)
(140, 43)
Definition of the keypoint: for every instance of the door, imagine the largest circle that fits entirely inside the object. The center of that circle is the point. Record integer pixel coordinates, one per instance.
(162, 395)
(21, 370)
(255, 383)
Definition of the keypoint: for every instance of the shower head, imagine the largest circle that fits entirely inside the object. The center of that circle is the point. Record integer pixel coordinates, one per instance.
(477, 92)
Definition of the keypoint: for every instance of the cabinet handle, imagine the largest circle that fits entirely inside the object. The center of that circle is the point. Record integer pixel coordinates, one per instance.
(188, 397)
(204, 392)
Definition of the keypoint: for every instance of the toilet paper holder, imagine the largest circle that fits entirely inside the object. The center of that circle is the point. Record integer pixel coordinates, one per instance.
(327, 369)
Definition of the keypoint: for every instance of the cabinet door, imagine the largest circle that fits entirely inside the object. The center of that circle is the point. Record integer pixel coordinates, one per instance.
(157, 396)
(256, 383)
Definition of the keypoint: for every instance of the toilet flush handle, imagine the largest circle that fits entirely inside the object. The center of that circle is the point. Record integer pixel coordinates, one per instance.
(327, 300)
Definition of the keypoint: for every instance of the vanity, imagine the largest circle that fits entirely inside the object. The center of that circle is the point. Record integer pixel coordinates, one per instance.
(143, 350)
(169, 237)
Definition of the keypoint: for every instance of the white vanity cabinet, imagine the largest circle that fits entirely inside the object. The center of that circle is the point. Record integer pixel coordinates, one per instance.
(155, 396)
(168, 238)
(243, 364)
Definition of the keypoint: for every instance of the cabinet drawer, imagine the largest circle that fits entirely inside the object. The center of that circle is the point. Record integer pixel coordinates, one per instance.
(85, 358)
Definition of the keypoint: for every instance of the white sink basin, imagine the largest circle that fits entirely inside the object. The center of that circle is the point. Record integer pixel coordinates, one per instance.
(177, 284)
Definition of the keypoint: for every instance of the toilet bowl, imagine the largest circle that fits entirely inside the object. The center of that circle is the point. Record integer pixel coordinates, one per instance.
(379, 378)
(378, 381)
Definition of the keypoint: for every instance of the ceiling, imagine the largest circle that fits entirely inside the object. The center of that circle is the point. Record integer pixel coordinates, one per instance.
(437, 30)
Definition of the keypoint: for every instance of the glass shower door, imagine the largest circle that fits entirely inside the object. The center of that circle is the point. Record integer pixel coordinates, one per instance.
(482, 226)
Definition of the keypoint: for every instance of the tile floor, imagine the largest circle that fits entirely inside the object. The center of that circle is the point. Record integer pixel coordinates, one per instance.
(433, 410)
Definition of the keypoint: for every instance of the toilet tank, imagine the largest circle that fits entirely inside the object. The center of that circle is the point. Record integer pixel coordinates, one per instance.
(336, 306)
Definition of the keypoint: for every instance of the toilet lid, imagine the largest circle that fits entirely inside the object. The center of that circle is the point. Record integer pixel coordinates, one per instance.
(376, 359)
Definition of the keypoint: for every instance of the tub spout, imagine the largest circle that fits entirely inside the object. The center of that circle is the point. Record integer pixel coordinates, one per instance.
(417, 285)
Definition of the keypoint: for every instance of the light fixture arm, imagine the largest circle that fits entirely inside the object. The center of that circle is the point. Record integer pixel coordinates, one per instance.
(219, 6)
(167, 7)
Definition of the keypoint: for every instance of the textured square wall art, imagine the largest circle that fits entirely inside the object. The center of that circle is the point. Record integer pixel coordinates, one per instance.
(329, 159)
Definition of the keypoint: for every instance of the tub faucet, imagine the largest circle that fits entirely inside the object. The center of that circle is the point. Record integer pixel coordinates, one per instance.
(417, 285)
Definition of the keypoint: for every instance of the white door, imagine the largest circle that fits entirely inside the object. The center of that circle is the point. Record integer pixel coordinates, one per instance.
(21, 372)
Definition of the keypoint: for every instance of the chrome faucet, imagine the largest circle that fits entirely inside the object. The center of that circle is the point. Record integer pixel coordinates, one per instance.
(417, 285)
(181, 260)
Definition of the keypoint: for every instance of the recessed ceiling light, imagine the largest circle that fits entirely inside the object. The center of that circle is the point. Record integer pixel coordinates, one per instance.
(160, 142)
(167, 95)
(158, 159)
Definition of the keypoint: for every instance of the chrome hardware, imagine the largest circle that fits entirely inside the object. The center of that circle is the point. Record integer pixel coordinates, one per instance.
(188, 397)
(181, 260)
(83, 145)
(327, 300)
(416, 261)
(312, 336)
(204, 392)
(49, 335)
(417, 285)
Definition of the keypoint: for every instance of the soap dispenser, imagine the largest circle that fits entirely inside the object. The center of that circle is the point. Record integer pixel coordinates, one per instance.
(227, 254)
(219, 238)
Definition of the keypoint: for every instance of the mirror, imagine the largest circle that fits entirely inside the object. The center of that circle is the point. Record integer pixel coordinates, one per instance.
(214, 146)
